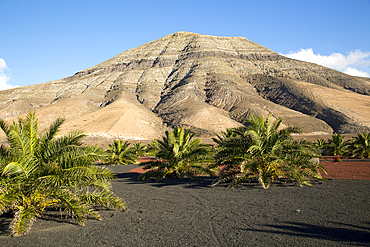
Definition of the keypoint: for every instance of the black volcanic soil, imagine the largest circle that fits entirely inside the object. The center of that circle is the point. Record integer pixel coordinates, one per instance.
(192, 213)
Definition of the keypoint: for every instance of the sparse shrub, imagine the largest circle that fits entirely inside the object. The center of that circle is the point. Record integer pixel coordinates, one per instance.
(338, 159)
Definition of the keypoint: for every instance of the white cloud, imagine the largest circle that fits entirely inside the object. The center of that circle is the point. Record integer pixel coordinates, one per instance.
(351, 64)
(4, 76)
(355, 72)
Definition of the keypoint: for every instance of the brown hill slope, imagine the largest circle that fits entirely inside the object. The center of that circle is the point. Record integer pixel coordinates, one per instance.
(203, 82)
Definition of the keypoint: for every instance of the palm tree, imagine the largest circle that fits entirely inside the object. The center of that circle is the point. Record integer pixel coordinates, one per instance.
(360, 146)
(140, 149)
(121, 153)
(337, 146)
(232, 148)
(264, 152)
(39, 171)
(320, 143)
(178, 155)
(300, 162)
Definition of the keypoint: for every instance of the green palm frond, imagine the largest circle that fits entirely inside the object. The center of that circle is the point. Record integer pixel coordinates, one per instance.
(337, 145)
(76, 208)
(18, 142)
(23, 220)
(5, 127)
(320, 143)
(41, 171)
(179, 155)
(9, 196)
(21, 170)
(103, 199)
(121, 153)
(4, 154)
(360, 146)
(54, 128)
(140, 149)
(269, 152)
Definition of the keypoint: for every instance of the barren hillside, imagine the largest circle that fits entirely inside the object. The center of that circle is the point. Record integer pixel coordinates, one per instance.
(206, 83)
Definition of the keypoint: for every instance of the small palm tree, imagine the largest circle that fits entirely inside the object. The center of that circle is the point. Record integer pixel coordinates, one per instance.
(264, 152)
(263, 161)
(140, 149)
(337, 146)
(300, 162)
(178, 155)
(41, 171)
(360, 146)
(232, 148)
(320, 143)
(121, 153)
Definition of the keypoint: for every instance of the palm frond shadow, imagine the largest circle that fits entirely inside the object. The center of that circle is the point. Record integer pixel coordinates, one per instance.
(285, 182)
(50, 214)
(200, 182)
(56, 215)
(344, 233)
(5, 220)
(132, 178)
(122, 177)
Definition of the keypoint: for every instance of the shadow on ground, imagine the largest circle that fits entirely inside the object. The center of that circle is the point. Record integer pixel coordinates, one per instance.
(340, 232)
(132, 178)
(200, 182)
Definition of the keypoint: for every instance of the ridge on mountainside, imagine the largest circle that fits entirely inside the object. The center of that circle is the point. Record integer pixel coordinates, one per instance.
(202, 82)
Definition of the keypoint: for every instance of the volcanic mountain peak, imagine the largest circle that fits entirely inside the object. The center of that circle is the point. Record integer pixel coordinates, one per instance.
(202, 82)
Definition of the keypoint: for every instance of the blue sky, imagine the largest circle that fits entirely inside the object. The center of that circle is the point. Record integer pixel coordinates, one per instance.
(45, 40)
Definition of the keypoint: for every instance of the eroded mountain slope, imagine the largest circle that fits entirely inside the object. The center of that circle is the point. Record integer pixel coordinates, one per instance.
(203, 82)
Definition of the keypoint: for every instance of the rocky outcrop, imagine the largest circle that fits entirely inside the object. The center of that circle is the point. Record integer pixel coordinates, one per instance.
(206, 83)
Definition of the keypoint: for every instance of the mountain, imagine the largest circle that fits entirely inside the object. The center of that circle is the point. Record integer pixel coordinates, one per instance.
(202, 82)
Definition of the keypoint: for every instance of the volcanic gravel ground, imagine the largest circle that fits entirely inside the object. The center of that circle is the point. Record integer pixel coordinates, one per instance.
(188, 212)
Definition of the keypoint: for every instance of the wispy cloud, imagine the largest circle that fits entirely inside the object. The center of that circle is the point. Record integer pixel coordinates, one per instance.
(4, 76)
(352, 64)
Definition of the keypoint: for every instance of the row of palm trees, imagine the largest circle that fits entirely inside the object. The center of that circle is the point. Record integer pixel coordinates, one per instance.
(358, 146)
(39, 171)
(260, 152)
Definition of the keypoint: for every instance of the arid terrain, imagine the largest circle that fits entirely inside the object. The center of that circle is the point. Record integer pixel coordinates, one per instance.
(202, 82)
(208, 84)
